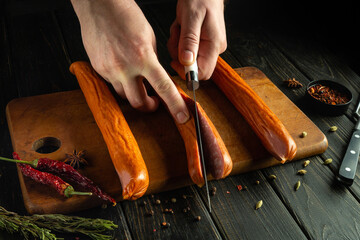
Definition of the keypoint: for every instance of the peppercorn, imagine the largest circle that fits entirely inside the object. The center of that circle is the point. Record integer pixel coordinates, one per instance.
(197, 218)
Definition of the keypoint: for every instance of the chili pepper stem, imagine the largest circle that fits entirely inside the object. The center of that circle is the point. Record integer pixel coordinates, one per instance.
(69, 192)
(32, 163)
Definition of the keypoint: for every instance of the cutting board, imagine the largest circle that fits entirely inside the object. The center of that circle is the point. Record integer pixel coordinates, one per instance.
(61, 122)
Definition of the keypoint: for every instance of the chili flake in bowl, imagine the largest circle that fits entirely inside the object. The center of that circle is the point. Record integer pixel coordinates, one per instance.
(329, 97)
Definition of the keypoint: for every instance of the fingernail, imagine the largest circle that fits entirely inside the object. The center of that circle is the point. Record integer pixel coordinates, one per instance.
(182, 117)
(187, 56)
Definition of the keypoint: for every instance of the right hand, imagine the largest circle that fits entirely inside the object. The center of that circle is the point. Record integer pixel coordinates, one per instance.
(121, 46)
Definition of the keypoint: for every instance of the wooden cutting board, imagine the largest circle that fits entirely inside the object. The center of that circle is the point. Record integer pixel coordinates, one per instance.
(64, 120)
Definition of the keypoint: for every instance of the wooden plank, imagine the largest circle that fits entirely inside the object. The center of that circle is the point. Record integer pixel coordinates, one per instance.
(70, 29)
(321, 201)
(11, 197)
(40, 62)
(236, 217)
(181, 214)
(276, 65)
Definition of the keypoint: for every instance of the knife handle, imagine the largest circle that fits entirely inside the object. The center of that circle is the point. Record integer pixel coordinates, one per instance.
(348, 166)
(191, 75)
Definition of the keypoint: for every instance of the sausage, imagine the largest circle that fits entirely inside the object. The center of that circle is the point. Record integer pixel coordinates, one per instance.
(216, 156)
(121, 143)
(262, 120)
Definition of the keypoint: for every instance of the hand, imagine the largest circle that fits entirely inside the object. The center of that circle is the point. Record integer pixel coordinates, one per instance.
(198, 31)
(122, 49)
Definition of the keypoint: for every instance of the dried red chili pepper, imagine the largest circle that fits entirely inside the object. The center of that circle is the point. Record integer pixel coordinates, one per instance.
(69, 173)
(49, 179)
(65, 171)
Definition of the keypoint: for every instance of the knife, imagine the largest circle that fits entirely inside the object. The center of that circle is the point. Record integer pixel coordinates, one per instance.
(192, 83)
(349, 163)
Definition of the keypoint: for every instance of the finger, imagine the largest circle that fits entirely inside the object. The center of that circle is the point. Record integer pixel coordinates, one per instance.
(164, 86)
(179, 68)
(173, 41)
(190, 37)
(207, 58)
(136, 94)
(119, 89)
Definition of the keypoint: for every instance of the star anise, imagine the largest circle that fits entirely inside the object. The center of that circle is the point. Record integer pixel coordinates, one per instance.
(293, 83)
(76, 159)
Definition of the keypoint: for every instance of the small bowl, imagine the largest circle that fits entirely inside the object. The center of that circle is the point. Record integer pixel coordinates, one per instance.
(327, 108)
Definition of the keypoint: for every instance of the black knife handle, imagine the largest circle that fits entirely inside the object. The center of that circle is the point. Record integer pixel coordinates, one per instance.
(192, 81)
(348, 166)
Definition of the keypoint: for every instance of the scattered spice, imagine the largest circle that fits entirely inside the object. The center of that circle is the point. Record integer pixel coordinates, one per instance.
(173, 200)
(306, 163)
(272, 177)
(213, 191)
(150, 213)
(333, 128)
(76, 159)
(328, 161)
(258, 204)
(165, 224)
(184, 196)
(198, 218)
(297, 185)
(187, 209)
(327, 95)
(143, 203)
(257, 182)
(302, 172)
(303, 134)
(239, 187)
(228, 192)
(157, 202)
(293, 83)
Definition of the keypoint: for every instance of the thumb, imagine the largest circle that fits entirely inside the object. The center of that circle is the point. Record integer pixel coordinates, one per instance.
(189, 39)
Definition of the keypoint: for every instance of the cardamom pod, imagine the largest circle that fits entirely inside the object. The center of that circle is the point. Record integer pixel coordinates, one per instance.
(297, 185)
(272, 177)
(303, 134)
(302, 172)
(259, 204)
(327, 161)
(333, 128)
(307, 162)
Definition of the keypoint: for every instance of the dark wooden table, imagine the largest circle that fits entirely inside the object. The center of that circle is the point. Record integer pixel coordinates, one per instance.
(40, 39)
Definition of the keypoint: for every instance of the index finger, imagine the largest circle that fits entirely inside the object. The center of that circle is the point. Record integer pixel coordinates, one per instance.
(166, 89)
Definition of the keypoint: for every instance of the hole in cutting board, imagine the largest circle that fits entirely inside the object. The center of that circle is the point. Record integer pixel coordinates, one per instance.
(46, 145)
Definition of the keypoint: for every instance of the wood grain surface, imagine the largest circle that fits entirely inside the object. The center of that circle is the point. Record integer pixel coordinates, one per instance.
(66, 116)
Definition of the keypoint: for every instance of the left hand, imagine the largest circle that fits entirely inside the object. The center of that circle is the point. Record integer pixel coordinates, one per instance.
(198, 32)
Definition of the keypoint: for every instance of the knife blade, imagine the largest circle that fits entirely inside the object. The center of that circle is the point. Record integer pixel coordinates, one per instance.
(192, 83)
(349, 163)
